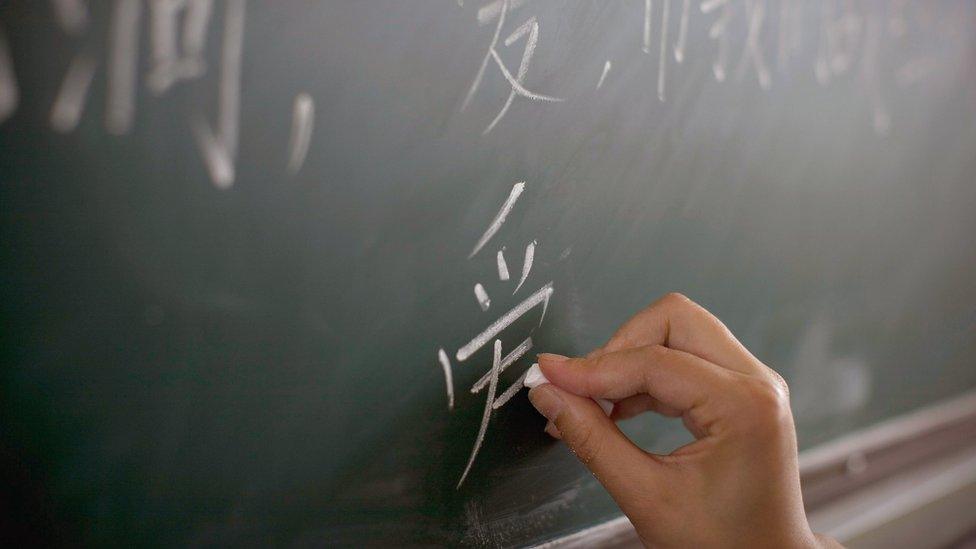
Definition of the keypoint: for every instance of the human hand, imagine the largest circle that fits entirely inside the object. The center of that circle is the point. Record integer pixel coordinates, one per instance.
(737, 484)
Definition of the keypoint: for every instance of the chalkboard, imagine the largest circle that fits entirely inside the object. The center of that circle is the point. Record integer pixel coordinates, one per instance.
(256, 256)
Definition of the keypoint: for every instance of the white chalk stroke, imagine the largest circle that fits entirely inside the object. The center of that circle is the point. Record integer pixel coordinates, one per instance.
(509, 359)
(195, 28)
(302, 120)
(490, 11)
(448, 378)
(476, 83)
(502, 265)
(753, 54)
(9, 91)
(540, 296)
(708, 6)
(790, 34)
(840, 37)
(648, 11)
(500, 217)
(603, 75)
(123, 58)
(529, 30)
(526, 265)
(871, 76)
(719, 32)
(662, 61)
(492, 387)
(174, 59)
(679, 46)
(219, 148)
(507, 394)
(482, 296)
(70, 101)
(72, 15)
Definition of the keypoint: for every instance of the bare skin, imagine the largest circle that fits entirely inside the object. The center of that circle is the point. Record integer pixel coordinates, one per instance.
(737, 484)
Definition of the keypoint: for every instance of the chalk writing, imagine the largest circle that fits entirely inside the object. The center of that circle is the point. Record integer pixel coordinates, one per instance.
(173, 61)
(482, 296)
(753, 54)
(648, 12)
(177, 37)
(719, 32)
(538, 298)
(72, 15)
(530, 31)
(679, 46)
(603, 75)
(122, 65)
(219, 146)
(500, 217)
(302, 119)
(512, 356)
(9, 92)
(70, 101)
(502, 265)
(662, 60)
(486, 416)
(448, 381)
(526, 264)
(847, 36)
(839, 40)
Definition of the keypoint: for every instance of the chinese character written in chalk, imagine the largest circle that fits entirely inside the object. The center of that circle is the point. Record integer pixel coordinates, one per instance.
(539, 298)
(500, 9)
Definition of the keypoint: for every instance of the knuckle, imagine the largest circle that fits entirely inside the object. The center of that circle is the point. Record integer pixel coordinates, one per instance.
(779, 381)
(676, 300)
(767, 404)
(680, 305)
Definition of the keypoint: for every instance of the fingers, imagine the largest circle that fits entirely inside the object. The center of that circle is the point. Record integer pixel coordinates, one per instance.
(628, 408)
(638, 404)
(679, 323)
(595, 439)
(677, 380)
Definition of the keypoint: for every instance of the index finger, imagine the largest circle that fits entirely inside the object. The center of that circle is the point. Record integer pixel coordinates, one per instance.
(676, 379)
(677, 322)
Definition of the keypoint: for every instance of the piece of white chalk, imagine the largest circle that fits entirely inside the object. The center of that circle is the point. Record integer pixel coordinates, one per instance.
(534, 377)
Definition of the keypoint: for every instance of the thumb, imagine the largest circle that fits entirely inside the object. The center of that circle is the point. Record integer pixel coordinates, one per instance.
(622, 468)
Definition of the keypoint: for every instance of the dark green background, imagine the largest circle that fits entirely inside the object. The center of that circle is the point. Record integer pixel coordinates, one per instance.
(185, 365)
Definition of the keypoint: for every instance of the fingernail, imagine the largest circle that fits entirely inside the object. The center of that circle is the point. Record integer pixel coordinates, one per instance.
(553, 431)
(552, 357)
(547, 401)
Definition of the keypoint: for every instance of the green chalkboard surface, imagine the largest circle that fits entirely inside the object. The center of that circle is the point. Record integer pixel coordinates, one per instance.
(255, 256)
